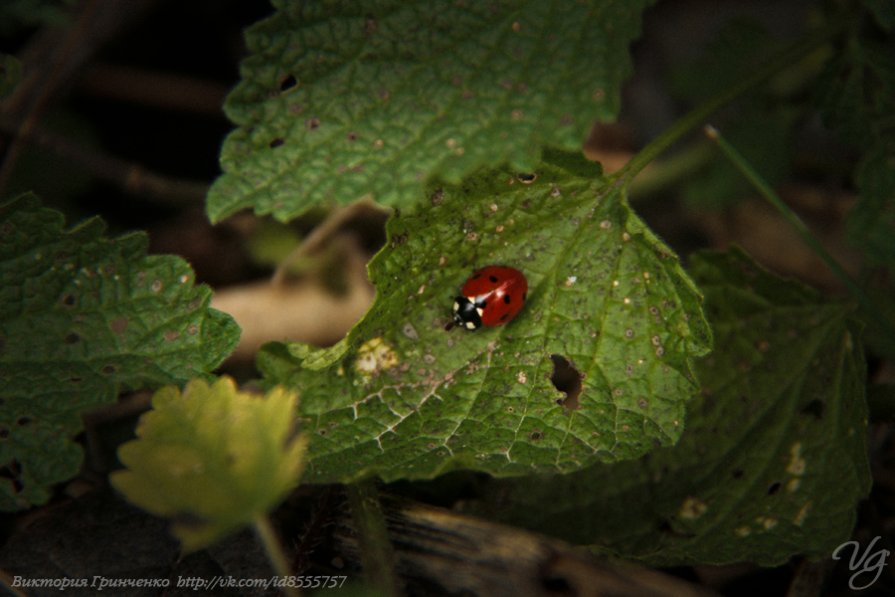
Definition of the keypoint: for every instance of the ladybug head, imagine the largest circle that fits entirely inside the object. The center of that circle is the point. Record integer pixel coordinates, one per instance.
(466, 314)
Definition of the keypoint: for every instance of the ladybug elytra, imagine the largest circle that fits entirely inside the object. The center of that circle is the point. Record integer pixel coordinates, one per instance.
(491, 296)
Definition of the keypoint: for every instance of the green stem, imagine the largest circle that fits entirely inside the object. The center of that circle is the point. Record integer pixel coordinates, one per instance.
(697, 117)
(803, 231)
(377, 554)
(274, 550)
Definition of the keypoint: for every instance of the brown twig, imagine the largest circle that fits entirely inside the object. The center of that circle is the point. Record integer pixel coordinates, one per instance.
(129, 176)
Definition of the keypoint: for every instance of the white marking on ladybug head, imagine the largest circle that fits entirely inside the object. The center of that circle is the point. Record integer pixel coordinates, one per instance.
(480, 312)
(456, 306)
(470, 325)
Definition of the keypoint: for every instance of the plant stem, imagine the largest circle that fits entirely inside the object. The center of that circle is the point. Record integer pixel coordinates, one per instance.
(803, 231)
(274, 550)
(377, 554)
(697, 116)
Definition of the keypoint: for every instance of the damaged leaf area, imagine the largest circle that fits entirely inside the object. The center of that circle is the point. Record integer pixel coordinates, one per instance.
(83, 318)
(774, 458)
(596, 367)
(341, 100)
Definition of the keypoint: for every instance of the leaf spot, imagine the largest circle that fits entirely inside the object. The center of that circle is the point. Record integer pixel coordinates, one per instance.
(692, 508)
(288, 82)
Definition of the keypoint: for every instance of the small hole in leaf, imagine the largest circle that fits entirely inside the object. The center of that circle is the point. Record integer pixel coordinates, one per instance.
(814, 408)
(72, 338)
(4, 432)
(13, 472)
(75, 379)
(738, 473)
(109, 369)
(536, 435)
(774, 488)
(352, 136)
(276, 143)
(23, 421)
(554, 584)
(567, 380)
(288, 83)
(69, 300)
(527, 177)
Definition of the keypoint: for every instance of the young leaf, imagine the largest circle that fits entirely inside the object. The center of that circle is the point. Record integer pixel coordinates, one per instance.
(774, 458)
(83, 318)
(374, 97)
(404, 398)
(212, 459)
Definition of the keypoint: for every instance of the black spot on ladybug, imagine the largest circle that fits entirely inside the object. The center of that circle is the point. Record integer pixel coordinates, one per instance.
(567, 380)
(482, 304)
(493, 279)
(774, 488)
(506, 299)
(288, 83)
(276, 143)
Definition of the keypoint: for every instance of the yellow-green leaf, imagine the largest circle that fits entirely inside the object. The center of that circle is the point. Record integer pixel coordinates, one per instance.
(212, 458)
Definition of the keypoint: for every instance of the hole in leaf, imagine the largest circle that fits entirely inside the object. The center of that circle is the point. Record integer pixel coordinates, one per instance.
(68, 300)
(276, 143)
(4, 432)
(109, 369)
(527, 177)
(72, 338)
(814, 408)
(536, 435)
(23, 421)
(554, 584)
(738, 473)
(288, 83)
(774, 488)
(13, 472)
(567, 380)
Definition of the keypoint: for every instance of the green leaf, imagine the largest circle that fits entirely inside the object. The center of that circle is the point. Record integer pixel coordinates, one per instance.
(871, 224)
(10, 74)
(883, 11)
(83, 318)
(774, 458)
(212, 459)
(404, 398)
(856, 91)
(341, 100)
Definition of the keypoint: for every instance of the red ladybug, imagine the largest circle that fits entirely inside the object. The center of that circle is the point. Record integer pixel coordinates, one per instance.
(491, 296)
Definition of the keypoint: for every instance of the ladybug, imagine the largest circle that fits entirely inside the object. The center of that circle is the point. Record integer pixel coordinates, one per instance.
(491, 296)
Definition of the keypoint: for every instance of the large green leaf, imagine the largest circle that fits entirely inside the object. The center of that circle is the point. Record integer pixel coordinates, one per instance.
(83, 318)
(212, 459)
(403, 398)
(371, 98)
(774, 458)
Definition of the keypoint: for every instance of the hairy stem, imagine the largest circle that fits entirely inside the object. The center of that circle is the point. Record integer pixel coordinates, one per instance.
(274, 550)
(697, 116)
(801, 229)
(377, 553)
